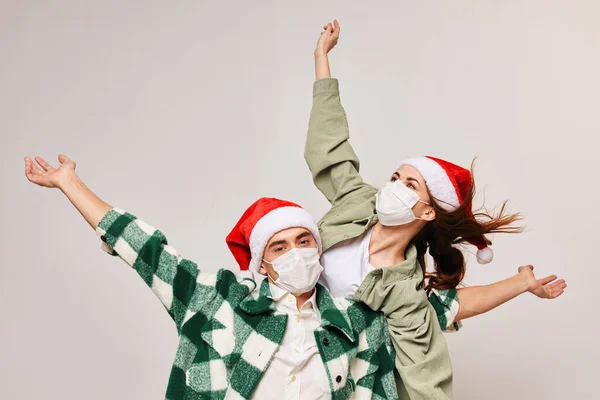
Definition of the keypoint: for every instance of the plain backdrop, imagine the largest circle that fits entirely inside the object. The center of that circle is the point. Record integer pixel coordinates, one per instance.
(185, 112)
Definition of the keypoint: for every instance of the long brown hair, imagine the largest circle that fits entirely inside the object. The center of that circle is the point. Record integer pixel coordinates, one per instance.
(451, 228)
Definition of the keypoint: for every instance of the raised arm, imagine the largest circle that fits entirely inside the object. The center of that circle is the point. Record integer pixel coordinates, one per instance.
(176, 281)
(328, 153)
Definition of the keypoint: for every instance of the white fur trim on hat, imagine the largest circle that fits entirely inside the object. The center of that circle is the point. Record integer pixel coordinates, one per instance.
(245, 273)
(438, 182)
(276, 221)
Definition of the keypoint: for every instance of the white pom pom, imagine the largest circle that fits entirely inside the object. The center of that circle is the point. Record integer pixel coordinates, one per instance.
(246, 274)
(485, 255)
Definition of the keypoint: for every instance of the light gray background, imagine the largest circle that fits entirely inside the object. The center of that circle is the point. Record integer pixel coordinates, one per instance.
(184, 112)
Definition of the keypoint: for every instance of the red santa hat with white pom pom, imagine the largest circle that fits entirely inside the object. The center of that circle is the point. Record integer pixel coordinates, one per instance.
(450, 184)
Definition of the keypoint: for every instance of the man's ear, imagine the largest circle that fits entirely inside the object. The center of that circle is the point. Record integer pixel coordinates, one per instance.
(428, 215)
(262, 270)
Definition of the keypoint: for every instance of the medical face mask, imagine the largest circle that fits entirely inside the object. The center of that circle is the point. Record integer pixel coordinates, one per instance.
(394, 204)
(298, 270)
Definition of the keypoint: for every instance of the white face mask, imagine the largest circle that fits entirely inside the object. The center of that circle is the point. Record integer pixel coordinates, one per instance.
(298, 269)
(394, 204)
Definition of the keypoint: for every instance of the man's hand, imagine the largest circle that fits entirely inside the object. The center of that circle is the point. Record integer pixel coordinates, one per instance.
(43, 174)
(545, 288)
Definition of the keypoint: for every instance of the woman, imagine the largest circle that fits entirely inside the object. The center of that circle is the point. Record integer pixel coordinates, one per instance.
(426, 205)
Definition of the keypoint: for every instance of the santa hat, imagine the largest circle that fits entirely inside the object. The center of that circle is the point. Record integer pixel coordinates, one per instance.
(259, 223)
(449, 184)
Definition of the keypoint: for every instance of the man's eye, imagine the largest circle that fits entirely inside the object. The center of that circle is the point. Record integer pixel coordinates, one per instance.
(305, 241)
(393, 179)
(278, 249)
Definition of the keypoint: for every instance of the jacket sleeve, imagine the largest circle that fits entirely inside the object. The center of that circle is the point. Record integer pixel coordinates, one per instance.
(446, 306)
(176, 281)
(333, 164)
(422, 358)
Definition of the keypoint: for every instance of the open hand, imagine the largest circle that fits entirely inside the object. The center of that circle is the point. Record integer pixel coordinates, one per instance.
(545, 288)
(43, 174)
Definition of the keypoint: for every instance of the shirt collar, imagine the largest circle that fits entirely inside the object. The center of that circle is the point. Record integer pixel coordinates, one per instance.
(278, 293)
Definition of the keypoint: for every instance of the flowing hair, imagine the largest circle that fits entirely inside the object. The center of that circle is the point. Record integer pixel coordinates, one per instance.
(451, 228)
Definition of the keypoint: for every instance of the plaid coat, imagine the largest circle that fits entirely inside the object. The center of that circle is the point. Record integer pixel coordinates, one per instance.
(229, 329)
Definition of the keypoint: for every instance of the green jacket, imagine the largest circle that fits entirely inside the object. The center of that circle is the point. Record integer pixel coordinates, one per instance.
(229, 329)
(422, 358)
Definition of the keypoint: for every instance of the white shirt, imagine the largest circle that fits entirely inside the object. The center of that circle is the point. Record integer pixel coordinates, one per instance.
(296, 371)
(346, 265)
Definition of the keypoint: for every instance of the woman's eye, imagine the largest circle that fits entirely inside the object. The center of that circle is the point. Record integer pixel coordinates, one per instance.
(411, 186)
(393, 179)
(278, 249)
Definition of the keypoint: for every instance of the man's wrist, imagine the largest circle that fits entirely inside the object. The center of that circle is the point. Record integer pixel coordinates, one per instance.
(68, 182)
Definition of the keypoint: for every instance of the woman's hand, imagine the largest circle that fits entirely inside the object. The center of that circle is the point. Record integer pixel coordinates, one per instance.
(43, 174)
(328, 39)
(545, 288)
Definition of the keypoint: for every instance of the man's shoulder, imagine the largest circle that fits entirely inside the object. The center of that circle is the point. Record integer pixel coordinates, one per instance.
(226, 282)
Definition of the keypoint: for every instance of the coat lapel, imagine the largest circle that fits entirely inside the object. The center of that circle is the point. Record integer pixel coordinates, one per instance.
(266, 334)
(334, 312)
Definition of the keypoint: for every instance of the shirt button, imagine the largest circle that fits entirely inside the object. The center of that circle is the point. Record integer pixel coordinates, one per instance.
(103, 238)
(290, 298)
(326, 341)
(293, 378)
(297, 319)
(338, 379)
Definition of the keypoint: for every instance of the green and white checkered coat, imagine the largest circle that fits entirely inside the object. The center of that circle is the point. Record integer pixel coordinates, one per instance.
(229, 329)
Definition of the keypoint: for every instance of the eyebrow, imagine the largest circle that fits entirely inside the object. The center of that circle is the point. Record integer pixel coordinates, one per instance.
(277, 243)
(303, 235)
(282, 241)
(408, 178)
(413, 180)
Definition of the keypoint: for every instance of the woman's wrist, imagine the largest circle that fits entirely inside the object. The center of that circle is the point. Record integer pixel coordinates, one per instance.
(523, 282)
(322, 66)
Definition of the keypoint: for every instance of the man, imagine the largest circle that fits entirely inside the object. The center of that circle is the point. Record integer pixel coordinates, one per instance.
(286, 339)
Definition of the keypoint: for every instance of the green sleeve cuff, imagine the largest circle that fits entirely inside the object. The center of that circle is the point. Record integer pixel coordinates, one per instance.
(326, 86)
(110, 228)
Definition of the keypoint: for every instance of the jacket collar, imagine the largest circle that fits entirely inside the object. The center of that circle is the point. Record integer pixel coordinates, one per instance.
(333, 311)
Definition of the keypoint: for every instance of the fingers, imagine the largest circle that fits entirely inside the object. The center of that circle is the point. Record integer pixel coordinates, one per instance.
(45, 166)
(30, 172)
(336, 28)
(554, 293)
(547, 279)
(555, 289)
(558, 284)
(64, 159)
(35, 169)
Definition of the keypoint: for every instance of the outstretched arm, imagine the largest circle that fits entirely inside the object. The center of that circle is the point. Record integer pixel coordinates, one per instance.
(454, 305)
(481, 299)
(175, 280)
(64, 178)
